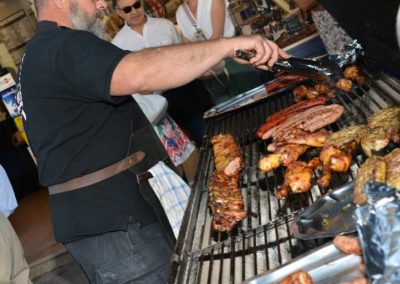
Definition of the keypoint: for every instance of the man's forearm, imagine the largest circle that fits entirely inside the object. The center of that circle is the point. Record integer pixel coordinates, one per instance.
(166, 67)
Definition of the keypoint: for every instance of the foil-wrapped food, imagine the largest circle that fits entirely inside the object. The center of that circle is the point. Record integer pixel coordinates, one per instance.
(378, 225)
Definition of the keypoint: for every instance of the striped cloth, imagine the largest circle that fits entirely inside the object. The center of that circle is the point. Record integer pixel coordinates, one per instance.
(172, 192)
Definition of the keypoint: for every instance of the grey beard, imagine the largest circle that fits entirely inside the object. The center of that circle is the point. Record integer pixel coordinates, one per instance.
(85, 22)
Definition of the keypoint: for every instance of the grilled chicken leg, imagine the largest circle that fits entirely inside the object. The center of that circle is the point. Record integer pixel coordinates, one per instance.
(284, 155)
(298, 177)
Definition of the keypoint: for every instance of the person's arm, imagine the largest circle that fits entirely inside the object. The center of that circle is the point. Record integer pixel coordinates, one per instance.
(218, 18)
(172, 66)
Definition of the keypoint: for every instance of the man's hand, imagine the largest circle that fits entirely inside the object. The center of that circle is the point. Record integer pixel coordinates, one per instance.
(266, 52)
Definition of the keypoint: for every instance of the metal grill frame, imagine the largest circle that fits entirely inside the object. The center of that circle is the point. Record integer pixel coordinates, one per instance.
(191, 251)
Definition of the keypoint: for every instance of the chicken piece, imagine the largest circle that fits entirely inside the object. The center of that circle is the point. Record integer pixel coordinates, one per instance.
(347, 245)
(389, 119)
(284, 155)
(393, 168)
(344, 85)
(374, 140)
(300, 277)
(335, 159)
(228, 158)
(298, 136)
(374, 168)
(354, 74)
(311, 94)
(300, 93)
(298, 178)
(323, 89)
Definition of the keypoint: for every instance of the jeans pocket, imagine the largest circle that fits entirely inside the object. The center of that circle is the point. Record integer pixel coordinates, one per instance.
(146, 263)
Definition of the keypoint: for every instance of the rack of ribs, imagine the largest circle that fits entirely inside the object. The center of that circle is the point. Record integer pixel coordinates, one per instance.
(225, 201)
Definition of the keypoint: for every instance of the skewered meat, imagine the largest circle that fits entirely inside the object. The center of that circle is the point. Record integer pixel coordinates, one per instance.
(393, 168)
(284, 155)
(389, 119)
(336, 155)
(354, 74)
(286, 113)
(344, 84)
(374, 140)
(300, 277)
(347, 245)
(228, 158)
(225, 201)
(298, 177)
(298, 136)
(311, 120)
(374, 168)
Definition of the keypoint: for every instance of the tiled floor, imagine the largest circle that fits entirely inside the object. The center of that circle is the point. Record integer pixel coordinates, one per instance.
(49, 261)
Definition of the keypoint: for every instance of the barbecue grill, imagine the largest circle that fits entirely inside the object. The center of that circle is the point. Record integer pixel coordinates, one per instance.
(262, 241)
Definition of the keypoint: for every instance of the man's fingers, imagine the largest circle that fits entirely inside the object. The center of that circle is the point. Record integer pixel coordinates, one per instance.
(274, 55)
(283, 54)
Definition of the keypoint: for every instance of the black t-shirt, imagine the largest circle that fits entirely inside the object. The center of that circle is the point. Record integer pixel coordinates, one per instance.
(75, 127)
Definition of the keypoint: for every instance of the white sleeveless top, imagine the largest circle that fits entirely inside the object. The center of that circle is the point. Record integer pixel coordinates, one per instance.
(203, 20)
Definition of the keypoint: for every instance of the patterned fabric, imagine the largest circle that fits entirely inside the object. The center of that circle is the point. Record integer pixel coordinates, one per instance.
(176, 143)
(172, 192)
(332, 35)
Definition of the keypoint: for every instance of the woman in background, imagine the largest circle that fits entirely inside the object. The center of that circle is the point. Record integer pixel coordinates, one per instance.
(212, 20)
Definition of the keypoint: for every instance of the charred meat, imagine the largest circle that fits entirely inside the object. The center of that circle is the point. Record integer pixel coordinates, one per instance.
(225, 201)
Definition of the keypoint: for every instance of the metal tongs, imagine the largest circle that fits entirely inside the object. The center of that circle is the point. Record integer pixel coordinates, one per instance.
(311, 68)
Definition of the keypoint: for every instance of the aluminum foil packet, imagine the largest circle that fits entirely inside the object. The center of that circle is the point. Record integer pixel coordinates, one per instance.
(347, 55)
(378, 226)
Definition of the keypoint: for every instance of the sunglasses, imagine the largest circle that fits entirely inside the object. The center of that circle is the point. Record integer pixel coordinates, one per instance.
(128, 9)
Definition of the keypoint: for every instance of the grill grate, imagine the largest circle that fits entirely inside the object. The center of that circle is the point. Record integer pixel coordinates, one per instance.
(263, 240)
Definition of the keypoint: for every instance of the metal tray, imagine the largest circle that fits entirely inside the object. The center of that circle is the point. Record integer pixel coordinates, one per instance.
(325, 265)
(329, 216)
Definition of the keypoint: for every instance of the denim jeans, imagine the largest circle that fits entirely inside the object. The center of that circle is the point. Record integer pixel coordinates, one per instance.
(140, 255)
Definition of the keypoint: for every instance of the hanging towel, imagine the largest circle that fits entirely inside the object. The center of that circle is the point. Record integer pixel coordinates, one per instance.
(172, 192)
